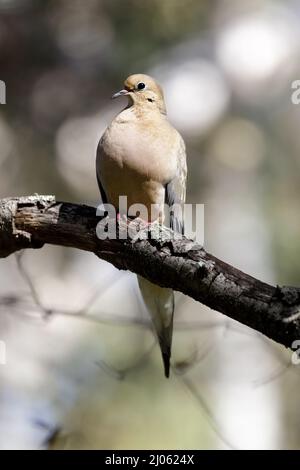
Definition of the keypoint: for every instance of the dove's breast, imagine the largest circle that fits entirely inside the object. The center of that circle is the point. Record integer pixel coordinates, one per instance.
(137, 160)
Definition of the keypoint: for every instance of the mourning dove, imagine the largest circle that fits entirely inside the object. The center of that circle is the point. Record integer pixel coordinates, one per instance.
(141, 156)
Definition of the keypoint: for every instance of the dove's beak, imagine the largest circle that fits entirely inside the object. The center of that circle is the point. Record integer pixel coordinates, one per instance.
(120, 93)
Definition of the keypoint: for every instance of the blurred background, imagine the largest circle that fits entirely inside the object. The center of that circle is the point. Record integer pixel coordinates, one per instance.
(83, 369)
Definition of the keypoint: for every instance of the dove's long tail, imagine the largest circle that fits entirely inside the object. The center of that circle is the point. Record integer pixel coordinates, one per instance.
(159, 302)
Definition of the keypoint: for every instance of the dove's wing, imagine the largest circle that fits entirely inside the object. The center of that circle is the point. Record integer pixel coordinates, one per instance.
(100, 185)
(175, 190)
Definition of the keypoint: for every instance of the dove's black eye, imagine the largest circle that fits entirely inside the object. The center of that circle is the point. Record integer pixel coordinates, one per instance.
(141, 86)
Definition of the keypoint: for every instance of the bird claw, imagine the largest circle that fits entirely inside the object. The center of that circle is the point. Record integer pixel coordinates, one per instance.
(122, 218)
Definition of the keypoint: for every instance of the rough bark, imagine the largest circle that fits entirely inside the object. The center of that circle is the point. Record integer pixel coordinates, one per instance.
(30, 222)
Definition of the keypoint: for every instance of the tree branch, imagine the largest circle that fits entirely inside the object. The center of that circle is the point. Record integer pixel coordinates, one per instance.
(30, 222)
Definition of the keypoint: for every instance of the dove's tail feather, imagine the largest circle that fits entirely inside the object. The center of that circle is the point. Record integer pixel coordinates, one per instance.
(159, 302)
(166, 360)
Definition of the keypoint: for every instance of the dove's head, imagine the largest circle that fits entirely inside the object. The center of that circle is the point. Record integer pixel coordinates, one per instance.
(144, 91)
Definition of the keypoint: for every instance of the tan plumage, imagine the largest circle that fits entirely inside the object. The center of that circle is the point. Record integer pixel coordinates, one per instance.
(142, 156)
